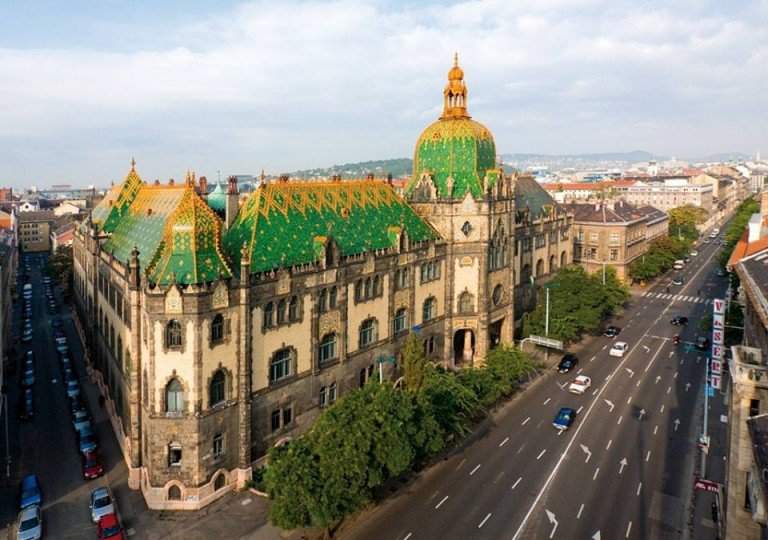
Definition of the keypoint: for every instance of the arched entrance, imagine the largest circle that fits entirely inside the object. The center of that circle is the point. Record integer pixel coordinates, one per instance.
(463, 347)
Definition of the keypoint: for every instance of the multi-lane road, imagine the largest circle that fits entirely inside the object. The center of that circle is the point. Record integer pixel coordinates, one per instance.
(623, 470)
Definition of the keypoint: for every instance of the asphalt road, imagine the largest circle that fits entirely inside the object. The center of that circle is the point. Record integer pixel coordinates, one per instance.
(623, 470)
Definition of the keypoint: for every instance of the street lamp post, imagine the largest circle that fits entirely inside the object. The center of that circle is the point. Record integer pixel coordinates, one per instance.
(546, 320)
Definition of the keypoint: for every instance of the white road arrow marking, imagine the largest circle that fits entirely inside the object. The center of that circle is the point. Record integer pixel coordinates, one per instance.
(609, 403)
(596, 536)
(677, 423)
(641, 414)
(658, 378)
(586, 451)
(631, 373)
(646, 348)
(622, 464)
(687, 386)
(553, 521)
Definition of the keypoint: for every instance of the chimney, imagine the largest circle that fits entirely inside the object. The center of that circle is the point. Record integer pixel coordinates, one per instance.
(171, 182)
(389, 178)
(203, 186)
(232, 203)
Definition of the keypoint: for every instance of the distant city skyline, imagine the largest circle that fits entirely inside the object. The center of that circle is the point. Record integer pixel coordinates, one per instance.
(241, 86)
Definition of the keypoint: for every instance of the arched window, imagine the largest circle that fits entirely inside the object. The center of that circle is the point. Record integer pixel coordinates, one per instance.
(525, 275)
(174, 493)
(173, 334)
(368, 333)
(281, 365)
(293, 309)
(329, 260)
(269, 315)
(358, 290)
(563, 259)
(217, 329)
(220, 482)
(322, 301)
(332, 297)
(368, 286)
(552, 263)
(218, 388)
(281, 312)
(400, 323)
(174, 397)
(376, 286)
(466, 303)
(539, 268)
(430, 309)
(327, 349)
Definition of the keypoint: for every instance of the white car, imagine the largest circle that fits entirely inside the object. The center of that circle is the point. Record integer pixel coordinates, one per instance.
(618, 349)
(580, 385)
(694, 253)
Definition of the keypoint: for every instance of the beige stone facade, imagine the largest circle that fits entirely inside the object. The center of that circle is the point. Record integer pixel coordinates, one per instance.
(34, 230)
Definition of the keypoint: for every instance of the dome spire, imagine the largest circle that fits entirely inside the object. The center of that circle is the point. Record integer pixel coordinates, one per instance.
(455, 93)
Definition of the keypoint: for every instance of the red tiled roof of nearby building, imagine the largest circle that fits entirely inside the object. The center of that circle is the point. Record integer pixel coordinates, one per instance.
(587, 186)
(744, 248)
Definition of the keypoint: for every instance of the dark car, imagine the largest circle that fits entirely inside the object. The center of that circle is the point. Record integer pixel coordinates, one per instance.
(702, 343)
(677, 280)
(679, 320)
(564, 418)
(30, 492)
(567, 363)
(86, 440)
(720, 272)
(26, 405)
(612, 331)
(92, 467)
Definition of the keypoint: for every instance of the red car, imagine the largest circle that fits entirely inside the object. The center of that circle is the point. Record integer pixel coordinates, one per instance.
(92, 467)
(109, 528)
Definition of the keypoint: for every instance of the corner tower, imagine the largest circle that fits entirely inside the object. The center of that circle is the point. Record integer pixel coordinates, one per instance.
(460, 188)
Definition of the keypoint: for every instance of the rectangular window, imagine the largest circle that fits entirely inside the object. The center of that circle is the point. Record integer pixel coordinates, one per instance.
(287, 416)
(540, 241)
(275, 420)
(614, 238)
(323, 396)
(614, 255)
(332, 393)
(747, 501)
(754, 407)
(580, 236)
(280, 367)
(218, 445)
(174, 455)
(593, 237)
(401, 321)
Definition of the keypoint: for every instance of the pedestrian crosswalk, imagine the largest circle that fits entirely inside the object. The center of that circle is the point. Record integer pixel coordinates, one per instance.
(677, 297)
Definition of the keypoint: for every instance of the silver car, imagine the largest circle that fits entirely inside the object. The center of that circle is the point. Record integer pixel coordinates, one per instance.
(101, 504)
(30, 524)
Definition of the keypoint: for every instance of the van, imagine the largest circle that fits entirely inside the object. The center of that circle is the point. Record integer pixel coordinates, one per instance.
(27, 287)
(679, 264)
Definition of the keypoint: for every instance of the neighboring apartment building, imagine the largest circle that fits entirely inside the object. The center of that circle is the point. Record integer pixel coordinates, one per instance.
(63, 234)
(34, 230)
(564, 192)
(613, 233)
(668, 194)
(746, 508)
(220, 329)
(8, 257)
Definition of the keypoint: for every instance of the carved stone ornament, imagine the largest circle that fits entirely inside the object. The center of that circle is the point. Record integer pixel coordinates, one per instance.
(283, 282)
(173, 301)
(220, 297)
(466, 261)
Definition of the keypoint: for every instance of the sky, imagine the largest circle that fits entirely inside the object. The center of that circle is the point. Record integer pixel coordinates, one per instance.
(226, 87)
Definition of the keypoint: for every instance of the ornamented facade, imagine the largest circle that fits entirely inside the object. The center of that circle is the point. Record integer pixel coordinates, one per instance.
(220, 328)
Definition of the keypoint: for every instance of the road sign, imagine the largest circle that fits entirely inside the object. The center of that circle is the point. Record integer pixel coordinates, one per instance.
(718, 321)
(717, 337)
(716, 366)
(710, 391)
(718, 306)
(706, 485)
(716, 381)
(546, 342)
(717, 351)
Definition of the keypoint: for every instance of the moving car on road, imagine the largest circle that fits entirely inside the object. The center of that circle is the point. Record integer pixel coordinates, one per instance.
(702, 343)
(618, 349)
(677, 280)
(564, 418)
(580, 385)
(30, 492)
(612, 331)
(30, 524)
(679, 320)
(109, 528)
(101, 504)
(567, 363)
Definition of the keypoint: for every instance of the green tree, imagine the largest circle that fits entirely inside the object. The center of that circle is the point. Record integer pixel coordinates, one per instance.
(736, 228)
(414, 363)
(59, 268)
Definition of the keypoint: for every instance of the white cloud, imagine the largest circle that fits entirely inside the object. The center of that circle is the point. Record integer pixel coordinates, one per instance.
(287, 85)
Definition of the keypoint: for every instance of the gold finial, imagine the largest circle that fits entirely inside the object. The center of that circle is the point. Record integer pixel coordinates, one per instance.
(133, 164)
(456, 59)
(455, 93)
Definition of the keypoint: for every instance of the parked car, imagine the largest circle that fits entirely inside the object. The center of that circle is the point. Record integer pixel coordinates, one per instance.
(86, 440)
(30, 492)
(82, 424)
(92, 467)
(567, 363)
(26, 405)
(618, 349)
(26, 336)
(702, 343)
(564, 418)
(73, 389)
(101, 504)
(612, 331)
(29, 524)
(109, 528)
(720, 272)
(580, 385)
(76, 404)
(679, 320)
(677, 280)
(694, 253)
(28, 377)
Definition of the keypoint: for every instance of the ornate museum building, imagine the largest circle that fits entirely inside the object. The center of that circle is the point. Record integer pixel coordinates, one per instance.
(220, 325)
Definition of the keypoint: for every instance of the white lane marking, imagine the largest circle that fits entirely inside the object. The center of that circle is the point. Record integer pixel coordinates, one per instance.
(662, 409)
(592, 359)
(505, 441)
(648, 456)
(542, 453)
(407, 536)
(441, 502)
(639, 487)
(669, 389)
(521, 448)
(579, 371)
(629, 400)
(655, 429)
(610, 442)
(516, 482)
(581, 509)
(604, 347)
(547, 400)
(579, 410)
(475, 469)
(486, 518)
(463, 461)
(629, 528)
(564, 454)
(638, 383)
(526, 421)
(675, 375)
(681, 361)
(619, 421)
(595, 392)
(594, 476)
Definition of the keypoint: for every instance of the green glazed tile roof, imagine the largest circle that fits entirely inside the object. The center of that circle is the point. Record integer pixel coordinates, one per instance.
(530, 194)
(287, 223)
(190, 251)
(217, 199)
(110, 210)
(459, 148)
